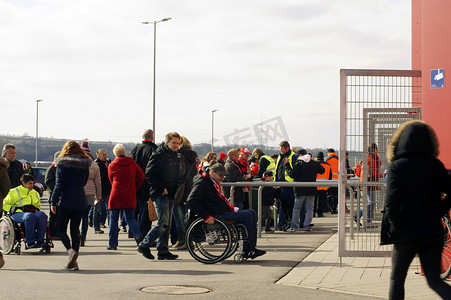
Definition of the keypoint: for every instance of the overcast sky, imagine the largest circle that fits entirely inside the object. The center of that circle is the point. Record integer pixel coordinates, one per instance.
(256, 60)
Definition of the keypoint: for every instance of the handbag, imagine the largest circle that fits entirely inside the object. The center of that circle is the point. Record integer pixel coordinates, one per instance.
(152, 211)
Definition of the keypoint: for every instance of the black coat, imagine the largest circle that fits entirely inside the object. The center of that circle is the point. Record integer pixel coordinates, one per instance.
(15, 171)
(188, 156)
(415, 182)
(141, 155)
(162, 172)
(104, 179)
(233, 174)
(268, 195)
(305, 172)
(50, 179)
(72, 173)
(204, 200)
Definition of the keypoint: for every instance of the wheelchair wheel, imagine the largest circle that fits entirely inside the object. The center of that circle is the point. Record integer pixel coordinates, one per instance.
(446, 252)
(235, 240)
(208, 243)
(7, 235)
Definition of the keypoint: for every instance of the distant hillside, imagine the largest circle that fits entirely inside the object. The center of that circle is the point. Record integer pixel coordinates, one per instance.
(47, 147)
(25, 146)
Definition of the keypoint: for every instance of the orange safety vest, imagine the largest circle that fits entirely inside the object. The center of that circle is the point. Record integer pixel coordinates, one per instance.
(333, 162)
(326, 175)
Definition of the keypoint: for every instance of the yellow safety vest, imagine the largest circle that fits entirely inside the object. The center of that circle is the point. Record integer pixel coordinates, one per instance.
(21, 196)
(272, 163)
(287, 178)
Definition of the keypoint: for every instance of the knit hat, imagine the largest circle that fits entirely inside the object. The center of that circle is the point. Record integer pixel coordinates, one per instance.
(222, 155)
(320, 155)
(85, 146)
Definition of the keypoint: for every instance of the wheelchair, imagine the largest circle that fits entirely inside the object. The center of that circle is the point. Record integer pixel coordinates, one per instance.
(12, 234)
(212, 243)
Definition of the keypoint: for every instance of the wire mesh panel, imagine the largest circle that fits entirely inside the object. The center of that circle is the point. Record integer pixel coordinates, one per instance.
(374, 103)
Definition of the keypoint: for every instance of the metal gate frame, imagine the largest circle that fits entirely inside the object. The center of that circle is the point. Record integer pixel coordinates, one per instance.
(371, 118)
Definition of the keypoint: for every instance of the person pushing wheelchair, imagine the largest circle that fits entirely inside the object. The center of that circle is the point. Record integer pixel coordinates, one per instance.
(207, 200)
(24, 206)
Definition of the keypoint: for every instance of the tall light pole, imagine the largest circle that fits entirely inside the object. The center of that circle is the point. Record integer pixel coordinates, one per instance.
(37, 118)
(154, 62)
(213, 128)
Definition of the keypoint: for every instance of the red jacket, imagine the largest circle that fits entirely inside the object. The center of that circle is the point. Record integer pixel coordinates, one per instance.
(126, 177)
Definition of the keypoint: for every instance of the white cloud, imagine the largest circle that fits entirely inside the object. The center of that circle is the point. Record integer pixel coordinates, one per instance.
(92, 60)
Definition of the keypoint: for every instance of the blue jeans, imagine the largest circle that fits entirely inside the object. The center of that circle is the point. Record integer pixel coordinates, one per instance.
(299, 202)
(36, 221)
(370, 205)
(96, 209)
(248, 218)
(114, 228)
(179, 213)
(282, 218)
(164, 206)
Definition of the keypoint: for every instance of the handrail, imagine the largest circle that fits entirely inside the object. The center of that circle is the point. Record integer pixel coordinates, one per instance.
(320, 182)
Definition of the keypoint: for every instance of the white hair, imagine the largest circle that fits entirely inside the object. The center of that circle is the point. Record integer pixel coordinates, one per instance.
(119, 150)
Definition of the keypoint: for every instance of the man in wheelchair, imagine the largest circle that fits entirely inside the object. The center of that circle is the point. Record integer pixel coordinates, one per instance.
(206, 200)
(24, 206)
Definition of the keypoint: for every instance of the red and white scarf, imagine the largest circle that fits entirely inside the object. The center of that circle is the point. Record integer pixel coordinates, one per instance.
(221, 195)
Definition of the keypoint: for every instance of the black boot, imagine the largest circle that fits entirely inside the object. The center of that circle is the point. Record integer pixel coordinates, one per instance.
(82, 240)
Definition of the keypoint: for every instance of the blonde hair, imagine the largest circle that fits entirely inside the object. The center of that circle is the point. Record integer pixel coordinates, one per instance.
(184, 142)
(72, 148)
(119, 150)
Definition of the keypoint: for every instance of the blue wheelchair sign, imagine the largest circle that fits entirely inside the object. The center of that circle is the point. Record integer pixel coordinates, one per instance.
(437, 79)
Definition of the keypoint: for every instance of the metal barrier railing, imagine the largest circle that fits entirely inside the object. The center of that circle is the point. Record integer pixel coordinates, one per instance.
(355, 202)
(262, 184)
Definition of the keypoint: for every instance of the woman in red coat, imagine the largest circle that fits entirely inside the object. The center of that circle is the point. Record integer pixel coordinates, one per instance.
(126, 177)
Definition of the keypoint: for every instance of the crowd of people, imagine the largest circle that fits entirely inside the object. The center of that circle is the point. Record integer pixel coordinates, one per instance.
(86, 190)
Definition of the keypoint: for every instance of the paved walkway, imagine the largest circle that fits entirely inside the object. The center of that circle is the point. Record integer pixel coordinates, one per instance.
(358, 275)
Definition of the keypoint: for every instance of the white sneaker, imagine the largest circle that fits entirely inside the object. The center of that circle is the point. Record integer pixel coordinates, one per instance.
(291, 229)
(73, 255)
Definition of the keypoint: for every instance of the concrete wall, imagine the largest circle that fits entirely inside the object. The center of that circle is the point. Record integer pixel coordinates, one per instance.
(431, 49)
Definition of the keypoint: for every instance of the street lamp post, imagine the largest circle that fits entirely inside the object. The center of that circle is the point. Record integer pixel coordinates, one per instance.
(154, 62)
(37, 118)
(213, 128)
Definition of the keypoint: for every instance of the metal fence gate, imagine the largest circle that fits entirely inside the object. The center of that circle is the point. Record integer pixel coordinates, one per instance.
(373, 104)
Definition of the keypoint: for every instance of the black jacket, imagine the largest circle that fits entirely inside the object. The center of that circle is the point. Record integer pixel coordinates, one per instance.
(162, 172)
(204, 200)
(141, 155)
(72, 173)
(233, 174)
(105, 181)
(305, 172)
(268, 196)
(50, 179)
(415, 182)
(15, 171)
(189, 170)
